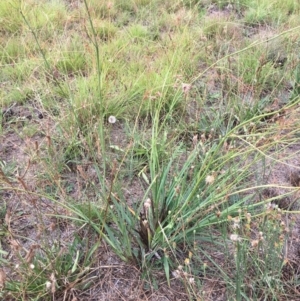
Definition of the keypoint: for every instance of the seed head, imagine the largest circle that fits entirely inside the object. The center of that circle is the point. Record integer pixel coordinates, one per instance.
(195, 140)
(48, 285)
(209, 179)
(2, 279)
(112, 119)
(176, 274)
(147, 204)
(236, 223)
(254, 243)
(186, 88)
(235, 237)
(191, 280)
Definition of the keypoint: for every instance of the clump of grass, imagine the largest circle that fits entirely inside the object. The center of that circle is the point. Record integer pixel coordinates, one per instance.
(46, 273)
(105, 30)
(266, 247)
(102, 9)
(47, 13)
(219, 26)
(185, 102)
(272, 13)
(11, 22)
(296, 90)
(138, 32)
(11, 52)
(73, 58)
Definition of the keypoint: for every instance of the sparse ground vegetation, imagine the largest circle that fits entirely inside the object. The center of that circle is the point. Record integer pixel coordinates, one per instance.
(149, 150)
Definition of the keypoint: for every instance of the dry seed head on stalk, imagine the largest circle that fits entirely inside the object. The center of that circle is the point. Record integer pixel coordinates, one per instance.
(48, 140)
(186, 88)
(271, 206)
(176, 274)
(147, 204)
(236, 223)
(254, 243)
(53, 281)
(191, 280)
(2, 279)
(30, 255)
(187, 261)
(195, 140)
(7, 218)
(145, 223)
(52, 226)
(235, 237)
(109, 5)
(15, 245)
(261, 238)
(209, 179)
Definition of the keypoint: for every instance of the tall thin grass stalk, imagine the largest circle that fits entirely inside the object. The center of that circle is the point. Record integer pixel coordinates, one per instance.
(93, 39)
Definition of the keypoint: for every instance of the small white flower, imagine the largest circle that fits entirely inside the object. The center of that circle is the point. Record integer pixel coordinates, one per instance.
(31, 266)
(191, 280)
(209, 179)
(48, 285)
(235, 237)
(271, 206)
(112, 119)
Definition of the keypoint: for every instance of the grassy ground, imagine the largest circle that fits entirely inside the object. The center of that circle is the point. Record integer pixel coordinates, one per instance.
(149, 150)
